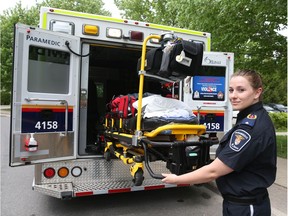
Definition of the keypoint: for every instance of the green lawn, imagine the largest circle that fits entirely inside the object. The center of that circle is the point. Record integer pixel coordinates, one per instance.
(281, 146)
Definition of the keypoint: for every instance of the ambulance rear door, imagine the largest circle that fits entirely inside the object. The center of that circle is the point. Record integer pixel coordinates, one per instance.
(207, 92)
(44, 121)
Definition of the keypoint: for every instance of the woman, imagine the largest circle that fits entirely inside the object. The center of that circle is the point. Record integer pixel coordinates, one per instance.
(245, 164)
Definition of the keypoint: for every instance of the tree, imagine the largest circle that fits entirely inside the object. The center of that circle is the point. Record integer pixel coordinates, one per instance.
(248, 28)
(87, 6)
(8, 19)
(148, 11)
(31, 17)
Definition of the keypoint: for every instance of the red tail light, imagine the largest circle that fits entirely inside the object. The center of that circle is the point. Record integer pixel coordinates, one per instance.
(136, 36)
(49, 172)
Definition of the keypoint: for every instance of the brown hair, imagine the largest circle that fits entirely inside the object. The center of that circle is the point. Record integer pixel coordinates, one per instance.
(253, 77)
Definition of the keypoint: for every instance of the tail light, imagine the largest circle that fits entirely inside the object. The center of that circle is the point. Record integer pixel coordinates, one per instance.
(136, 36)
(63, 172)
(76, 171)
(49, 172)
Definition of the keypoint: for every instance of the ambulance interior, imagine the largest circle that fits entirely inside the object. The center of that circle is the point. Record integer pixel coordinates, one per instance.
(112, 72)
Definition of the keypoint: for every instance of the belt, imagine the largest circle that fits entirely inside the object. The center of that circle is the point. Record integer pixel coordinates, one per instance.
(252, 200)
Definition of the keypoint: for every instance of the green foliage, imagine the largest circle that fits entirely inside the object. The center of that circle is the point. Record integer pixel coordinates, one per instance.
(279, 120)
(5, 97)
(8, 19)
(245, 27)
(18, 14)
(281, 146)
(87, 6)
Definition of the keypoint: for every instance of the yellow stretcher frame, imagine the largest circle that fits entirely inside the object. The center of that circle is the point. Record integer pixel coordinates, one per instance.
(141, 79)
(178, 130)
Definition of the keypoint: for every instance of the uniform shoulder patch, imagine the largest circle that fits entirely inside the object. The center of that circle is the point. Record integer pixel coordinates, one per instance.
(249, 120)
(239, 139)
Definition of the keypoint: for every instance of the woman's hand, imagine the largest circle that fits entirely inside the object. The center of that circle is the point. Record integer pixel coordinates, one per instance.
(170, 178)
(204, 174)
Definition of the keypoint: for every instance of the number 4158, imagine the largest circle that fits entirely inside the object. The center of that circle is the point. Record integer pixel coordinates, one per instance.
(212, 126)
(46, 125)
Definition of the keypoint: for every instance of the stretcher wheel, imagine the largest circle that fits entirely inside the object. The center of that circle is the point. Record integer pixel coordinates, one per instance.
(138, 178)
(107, 155)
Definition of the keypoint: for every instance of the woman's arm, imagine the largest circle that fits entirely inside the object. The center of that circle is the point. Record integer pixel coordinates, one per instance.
(204, 174)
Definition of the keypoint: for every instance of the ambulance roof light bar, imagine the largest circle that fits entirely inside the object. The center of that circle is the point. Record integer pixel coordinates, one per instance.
(90, 29)
(62, 26)
(114, 33)
(134, 36)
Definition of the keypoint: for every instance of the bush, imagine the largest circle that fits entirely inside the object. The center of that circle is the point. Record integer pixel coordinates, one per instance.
(5, 98)
(279, 121)
(281, 146)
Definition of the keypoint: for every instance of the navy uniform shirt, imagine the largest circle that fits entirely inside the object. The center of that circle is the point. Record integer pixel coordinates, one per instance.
(249, 148)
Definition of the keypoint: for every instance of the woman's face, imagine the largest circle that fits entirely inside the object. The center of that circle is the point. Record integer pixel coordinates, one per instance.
(242, 94)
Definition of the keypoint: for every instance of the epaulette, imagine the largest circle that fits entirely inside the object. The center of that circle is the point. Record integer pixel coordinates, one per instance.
(249, 120)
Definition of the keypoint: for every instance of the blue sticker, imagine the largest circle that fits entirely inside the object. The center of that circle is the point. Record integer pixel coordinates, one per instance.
(239, 139)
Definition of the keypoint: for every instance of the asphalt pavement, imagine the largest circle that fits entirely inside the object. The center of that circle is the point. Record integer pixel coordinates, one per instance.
(281, 177)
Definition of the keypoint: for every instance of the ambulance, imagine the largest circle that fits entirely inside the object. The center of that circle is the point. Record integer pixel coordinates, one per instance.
(67, 70)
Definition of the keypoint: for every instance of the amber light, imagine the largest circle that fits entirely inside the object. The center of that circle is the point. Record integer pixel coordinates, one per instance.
(63, 172)
(91, 30)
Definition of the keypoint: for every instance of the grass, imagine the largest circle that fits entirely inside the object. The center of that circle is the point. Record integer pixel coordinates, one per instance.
(281, 146)
(283, 129)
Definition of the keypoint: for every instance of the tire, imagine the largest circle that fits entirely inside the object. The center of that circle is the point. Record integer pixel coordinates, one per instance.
(107, 155)
(138, 178)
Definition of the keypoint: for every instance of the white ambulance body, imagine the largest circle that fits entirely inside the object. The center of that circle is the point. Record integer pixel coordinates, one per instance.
(66, 71)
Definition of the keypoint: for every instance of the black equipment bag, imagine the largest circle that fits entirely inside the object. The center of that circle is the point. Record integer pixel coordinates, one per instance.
(183, 59)
(152, 61)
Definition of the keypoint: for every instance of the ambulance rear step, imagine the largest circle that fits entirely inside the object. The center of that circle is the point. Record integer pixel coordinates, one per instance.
(98, 177)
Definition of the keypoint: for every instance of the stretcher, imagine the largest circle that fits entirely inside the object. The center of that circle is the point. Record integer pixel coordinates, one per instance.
(181, 144)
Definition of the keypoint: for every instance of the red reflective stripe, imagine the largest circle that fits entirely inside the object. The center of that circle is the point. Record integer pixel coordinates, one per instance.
(81, 194)
(31, 110)
(122, 190)
(205, 113)
(154, 187)
(125, 190)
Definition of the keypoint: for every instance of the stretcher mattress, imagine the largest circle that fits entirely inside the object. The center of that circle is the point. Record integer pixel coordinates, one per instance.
(149, 124)
(158, 111)
(158, 106)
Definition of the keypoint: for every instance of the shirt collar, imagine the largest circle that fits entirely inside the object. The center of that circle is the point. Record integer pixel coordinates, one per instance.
(243, 113)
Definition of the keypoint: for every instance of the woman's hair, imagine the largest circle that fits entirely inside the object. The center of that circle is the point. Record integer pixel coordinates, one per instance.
(253, 77)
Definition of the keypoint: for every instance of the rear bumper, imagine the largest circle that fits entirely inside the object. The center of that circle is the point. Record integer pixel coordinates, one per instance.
(99, 177)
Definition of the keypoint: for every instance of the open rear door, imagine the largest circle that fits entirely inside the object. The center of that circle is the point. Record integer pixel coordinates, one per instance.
(45, 96)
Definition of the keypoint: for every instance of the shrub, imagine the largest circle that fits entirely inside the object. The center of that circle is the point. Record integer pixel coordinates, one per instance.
(279, 120)
(282, 146)
(5, 98)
